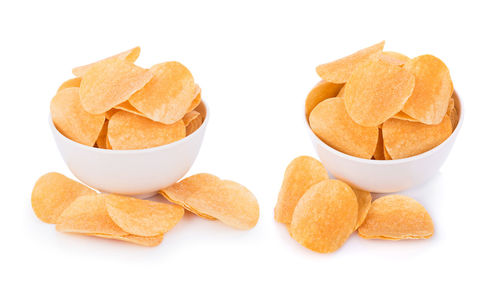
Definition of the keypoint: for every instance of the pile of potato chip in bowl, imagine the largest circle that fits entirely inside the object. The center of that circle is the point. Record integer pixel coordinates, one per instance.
(382, 105)
(115, 104)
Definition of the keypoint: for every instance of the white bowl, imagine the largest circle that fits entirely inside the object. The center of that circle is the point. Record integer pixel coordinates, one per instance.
(139, 173)
(389, 176)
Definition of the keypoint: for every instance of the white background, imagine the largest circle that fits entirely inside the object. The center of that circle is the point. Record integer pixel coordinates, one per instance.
(255, 63)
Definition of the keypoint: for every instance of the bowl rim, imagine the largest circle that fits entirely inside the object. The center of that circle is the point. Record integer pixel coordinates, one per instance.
(394, 161)
(135, 151)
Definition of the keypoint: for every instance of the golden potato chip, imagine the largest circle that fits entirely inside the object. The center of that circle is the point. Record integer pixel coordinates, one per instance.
(74, 82)
(364, 199)
(193, 121)
(379, 150)
(405, 139)
(142, 217)
(127, 131)
(108, 145)
(210, 197)
(433, 89)
(331, 123)
(340, 71)
(169, 94)
(454, 118)
(325, 216)
(320, 92)
(53, 193)
(110, 113)
(101, 140)
(141, 240)
(451, 106)
(202, 110)
(88, 215)
(130, 56)
(396, 217)
(394, 58)
(403, 116)
(376, 91)
(301, 173)
(110, 82)
(72, 120)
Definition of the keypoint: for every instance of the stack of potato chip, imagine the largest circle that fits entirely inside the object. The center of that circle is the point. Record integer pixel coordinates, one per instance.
(322, 213)
(382, 105)
(115, 104)
(75, 208)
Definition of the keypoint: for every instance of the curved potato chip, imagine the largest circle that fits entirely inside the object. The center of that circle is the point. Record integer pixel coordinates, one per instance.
(433, 89)
(109, 83)
(331, 123)
(53, 193)
(379, 150)
(341, 92)
(376, 91)
(229, 202)
(325, 216)
(126, 106)
(127, 131)
(101, 140)
(72, 120)
(340, 71)
(300, 175)
(88, 215)
(140, 240)
(74, 82)
(202, 110)
(212, 198)
(394, 58)
(454, 118)
(386, 154)
(321, 91)
(142, 217)
(193, 121)
(110, 113)
(130, 56)
(405, 139)
(169, 94)
(396, 217)
(364, 199)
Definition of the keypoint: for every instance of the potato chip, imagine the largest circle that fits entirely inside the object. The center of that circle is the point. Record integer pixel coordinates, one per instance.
(396, 217)
(403, 116)
(130, 56)
(141, 240)
(454, 118)
(394, 58)
(74, 82)
(331, 123)
(320, 92)
(53, 193)
(379, 150)
(229, 202)
(202, 110)
(301, 173)
(72, 120)
(142, 217)
(405, 139)
(341, 92)
(340, 71)
(433, 89)
(364, 199)
(110, 113)
(88, 215)
(193, 121)
(325, 216)
(451, 106)
(109, 83)
(108, 145)
(127, 131)
(101, 140)
(169, 94)
(210, 197)
(376, 91)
